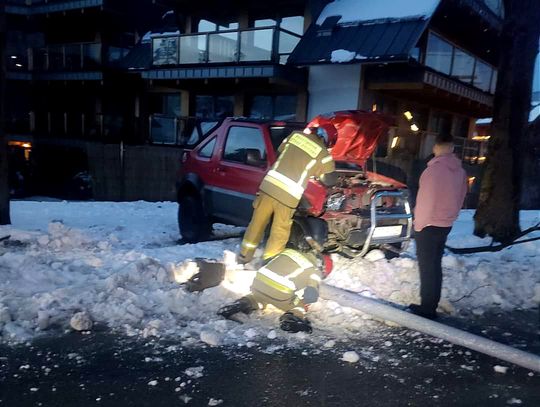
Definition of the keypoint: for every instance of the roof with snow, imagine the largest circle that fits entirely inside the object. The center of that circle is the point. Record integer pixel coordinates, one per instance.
(349, 31)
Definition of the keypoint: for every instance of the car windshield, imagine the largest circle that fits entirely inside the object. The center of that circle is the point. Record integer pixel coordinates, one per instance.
(279, 133)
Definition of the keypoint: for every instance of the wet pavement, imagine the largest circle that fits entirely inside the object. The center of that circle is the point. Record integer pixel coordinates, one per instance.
(397, 367)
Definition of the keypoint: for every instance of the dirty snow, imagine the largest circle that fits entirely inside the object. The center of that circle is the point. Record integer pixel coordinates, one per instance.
(352, 11)
(120, 264)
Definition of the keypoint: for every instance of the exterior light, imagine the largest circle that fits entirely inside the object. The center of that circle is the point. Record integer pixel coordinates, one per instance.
(13, 57)
(481, 138)
(414, 127)
(374, 107)
(408, 115)
(395, 142)
(470, 181)
(27, 145)
(18, 65)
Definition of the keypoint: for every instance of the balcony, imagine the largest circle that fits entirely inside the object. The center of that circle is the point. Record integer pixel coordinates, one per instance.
(67, 57)
(271, 44)
(33, 7)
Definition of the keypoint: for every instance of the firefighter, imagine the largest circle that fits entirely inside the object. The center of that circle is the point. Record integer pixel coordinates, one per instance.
(301, 156)
(290, 282)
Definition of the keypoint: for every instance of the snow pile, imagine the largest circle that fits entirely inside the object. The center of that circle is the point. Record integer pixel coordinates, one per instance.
(505, 280)
(119, 265)
(353, 11)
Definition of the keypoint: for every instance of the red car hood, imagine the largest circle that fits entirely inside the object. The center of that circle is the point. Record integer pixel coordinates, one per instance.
(358, 133)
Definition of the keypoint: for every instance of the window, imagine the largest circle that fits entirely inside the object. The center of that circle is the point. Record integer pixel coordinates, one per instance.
(439, 54)
(463, 66)
(482, 76)
(278, 107)
(496, 6)
(451, 60)
(214, 107)
(494, 81)
(242, 139)
(294, 24)
(209, 26)
(208, 149)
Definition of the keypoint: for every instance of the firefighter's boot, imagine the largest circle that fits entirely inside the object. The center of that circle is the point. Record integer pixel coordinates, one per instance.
(293, 323)
(243, 305)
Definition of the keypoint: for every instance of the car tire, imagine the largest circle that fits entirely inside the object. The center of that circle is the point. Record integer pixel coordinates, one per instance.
(193, 223)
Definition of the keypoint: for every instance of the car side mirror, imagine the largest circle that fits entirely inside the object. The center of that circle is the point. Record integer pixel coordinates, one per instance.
(253, 158)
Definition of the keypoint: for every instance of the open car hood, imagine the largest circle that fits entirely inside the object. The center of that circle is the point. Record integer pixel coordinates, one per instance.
(358, 133)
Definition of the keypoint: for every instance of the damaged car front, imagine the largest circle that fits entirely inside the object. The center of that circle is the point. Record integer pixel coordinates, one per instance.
(361, 209)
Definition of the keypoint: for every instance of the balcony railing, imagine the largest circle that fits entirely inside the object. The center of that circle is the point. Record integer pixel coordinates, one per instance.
(67, 57)
(183, 131)
(232, 46)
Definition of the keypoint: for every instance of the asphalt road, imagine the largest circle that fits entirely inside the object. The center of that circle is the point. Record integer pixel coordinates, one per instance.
(397, 367)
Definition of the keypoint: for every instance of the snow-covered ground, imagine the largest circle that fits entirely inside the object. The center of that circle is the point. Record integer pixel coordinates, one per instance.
(120, 264)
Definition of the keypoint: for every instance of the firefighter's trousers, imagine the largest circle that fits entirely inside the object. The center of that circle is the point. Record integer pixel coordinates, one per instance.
(265, 207)
(294, 305)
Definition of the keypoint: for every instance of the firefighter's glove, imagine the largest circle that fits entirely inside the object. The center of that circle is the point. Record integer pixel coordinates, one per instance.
(292, 323)
(210, 274)
(311, 295)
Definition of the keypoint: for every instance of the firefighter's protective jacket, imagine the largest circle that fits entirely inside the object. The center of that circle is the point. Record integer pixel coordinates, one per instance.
(282, 281)
(301, 156)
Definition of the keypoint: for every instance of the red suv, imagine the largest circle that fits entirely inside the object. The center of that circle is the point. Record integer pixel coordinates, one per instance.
(219, 178)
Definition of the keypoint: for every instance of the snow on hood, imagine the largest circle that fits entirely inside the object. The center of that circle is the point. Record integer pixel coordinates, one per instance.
(353, 11)
(358, 133)
(449, 160)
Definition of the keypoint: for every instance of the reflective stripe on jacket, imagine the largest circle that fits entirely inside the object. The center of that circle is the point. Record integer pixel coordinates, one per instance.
(301, 157)
(285, 276)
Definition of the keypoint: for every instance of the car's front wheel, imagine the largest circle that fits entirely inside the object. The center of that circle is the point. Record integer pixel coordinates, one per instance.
(193, 223)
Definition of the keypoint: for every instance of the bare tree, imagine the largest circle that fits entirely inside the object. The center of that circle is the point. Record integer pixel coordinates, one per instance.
(4, 187)
(498, 207)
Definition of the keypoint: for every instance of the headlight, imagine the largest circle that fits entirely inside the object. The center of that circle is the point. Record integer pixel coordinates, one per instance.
(335, 202)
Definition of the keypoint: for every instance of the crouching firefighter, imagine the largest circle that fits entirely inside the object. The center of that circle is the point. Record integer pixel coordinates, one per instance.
(289, 281)
(301, 156)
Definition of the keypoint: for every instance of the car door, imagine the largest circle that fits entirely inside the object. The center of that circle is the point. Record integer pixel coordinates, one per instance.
(236, 181)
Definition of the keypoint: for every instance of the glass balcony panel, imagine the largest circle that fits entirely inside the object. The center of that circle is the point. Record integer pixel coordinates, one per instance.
(92, 125)
(287, 43)
(73, 57)
(41, 122)
(439, 54)
(165, 50)
(74, 124)
(115, 54)
(256, 45)
(463, 66)
(163, 129)
(482, 76)
(57, 124)
(223, 47)
(193, 49)
(56, 57)
(91, 56)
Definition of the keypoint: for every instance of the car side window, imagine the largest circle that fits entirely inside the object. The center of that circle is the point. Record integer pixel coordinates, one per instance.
(244, 140)
(208, 149)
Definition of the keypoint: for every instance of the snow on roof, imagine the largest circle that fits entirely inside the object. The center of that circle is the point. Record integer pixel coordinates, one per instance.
(353, 11)
(342, 55)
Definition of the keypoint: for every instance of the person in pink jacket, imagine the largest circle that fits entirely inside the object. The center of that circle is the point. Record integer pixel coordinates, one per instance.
(441, 193)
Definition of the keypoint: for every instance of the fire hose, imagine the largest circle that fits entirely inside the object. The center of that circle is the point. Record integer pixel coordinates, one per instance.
(456, 336)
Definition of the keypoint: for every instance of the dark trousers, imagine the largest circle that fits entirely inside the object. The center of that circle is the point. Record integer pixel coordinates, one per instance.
(429, 251)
